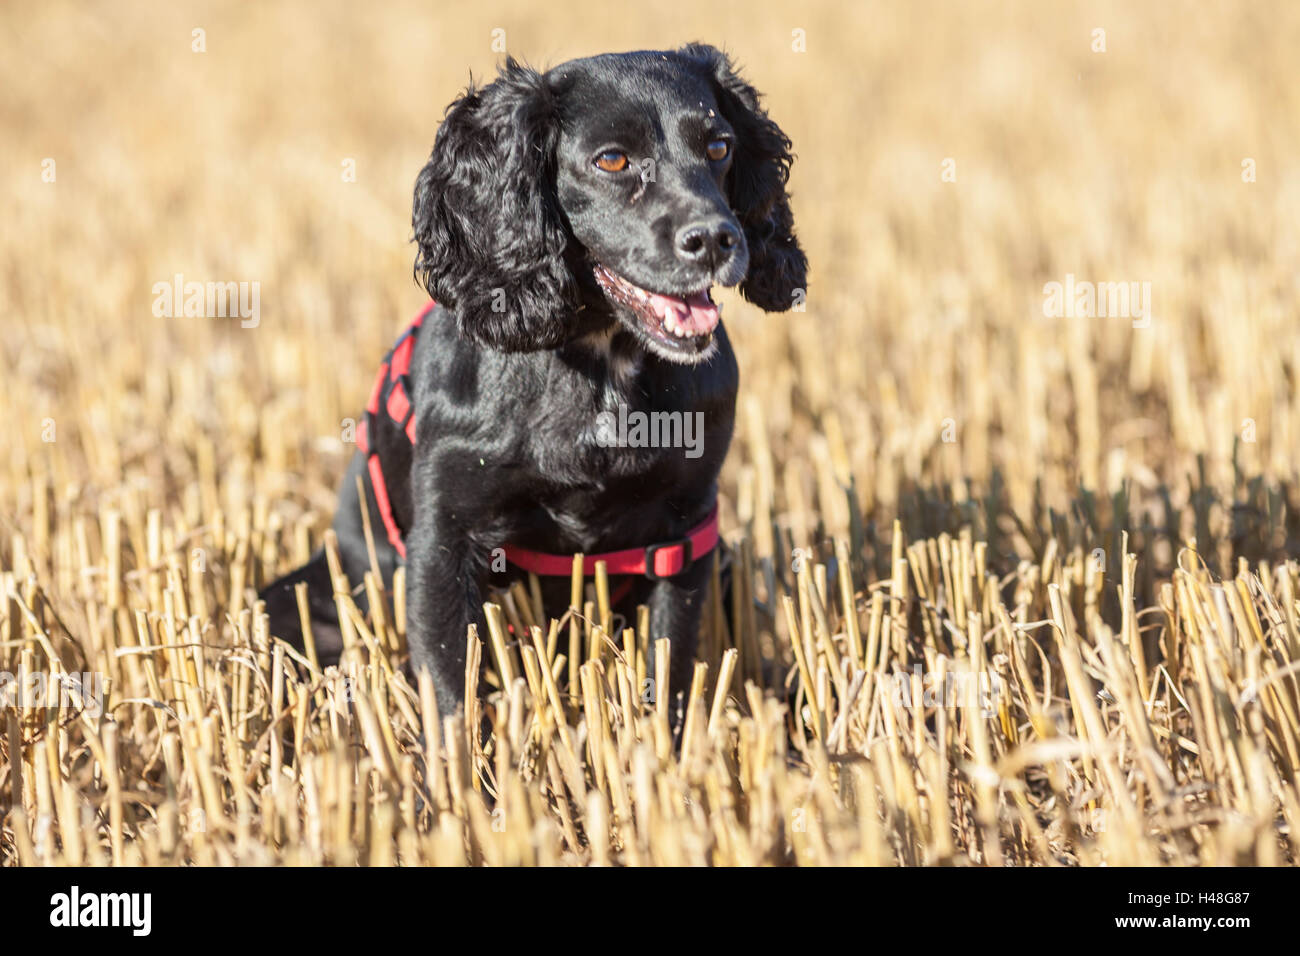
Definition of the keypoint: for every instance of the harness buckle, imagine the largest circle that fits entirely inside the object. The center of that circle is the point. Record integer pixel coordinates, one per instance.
(653, 549)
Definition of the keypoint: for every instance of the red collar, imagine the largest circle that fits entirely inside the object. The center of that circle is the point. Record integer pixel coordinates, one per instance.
(654, 561)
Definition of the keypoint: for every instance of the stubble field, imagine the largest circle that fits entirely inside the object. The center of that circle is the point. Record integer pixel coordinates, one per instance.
(1011, 587)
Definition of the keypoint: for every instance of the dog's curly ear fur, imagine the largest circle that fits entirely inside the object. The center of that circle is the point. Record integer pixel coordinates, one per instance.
(777, 267)
(486, 219)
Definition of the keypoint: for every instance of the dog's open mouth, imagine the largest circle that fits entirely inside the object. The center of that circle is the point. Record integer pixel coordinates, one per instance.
(682, 323)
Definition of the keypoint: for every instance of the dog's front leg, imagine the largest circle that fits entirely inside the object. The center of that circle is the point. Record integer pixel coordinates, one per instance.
(442, 600)
(675, 607)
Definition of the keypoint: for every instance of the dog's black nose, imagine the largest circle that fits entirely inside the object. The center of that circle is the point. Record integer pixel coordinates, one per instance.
(711, 241)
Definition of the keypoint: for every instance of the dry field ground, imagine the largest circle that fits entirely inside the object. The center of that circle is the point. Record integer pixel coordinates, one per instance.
(1013, 588)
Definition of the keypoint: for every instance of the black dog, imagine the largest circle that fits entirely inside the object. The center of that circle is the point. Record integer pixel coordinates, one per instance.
(570, 225)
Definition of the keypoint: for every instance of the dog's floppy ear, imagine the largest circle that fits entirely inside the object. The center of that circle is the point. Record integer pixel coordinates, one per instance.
(777, 267)
(486, 219)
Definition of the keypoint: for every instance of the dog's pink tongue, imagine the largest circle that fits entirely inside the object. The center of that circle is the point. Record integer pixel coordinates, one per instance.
(696, 315)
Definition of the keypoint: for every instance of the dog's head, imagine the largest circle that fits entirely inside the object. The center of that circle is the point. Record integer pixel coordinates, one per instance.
(619, 188)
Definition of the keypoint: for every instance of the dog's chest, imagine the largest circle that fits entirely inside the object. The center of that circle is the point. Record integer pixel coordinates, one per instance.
(641, 430)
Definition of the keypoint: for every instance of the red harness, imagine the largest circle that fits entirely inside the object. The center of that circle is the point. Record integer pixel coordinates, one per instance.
(392, 393)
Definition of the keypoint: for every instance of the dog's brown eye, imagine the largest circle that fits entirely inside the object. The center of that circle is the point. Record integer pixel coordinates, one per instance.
(718, 149)
(612, 161)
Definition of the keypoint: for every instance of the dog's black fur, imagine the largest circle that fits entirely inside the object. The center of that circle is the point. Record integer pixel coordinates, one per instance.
(525, 349)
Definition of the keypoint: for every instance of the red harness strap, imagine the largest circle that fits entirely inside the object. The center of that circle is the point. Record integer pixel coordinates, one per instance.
(392, 392)
(654, 561)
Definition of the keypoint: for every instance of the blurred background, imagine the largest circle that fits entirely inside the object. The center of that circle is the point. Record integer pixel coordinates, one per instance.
(952, 159)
